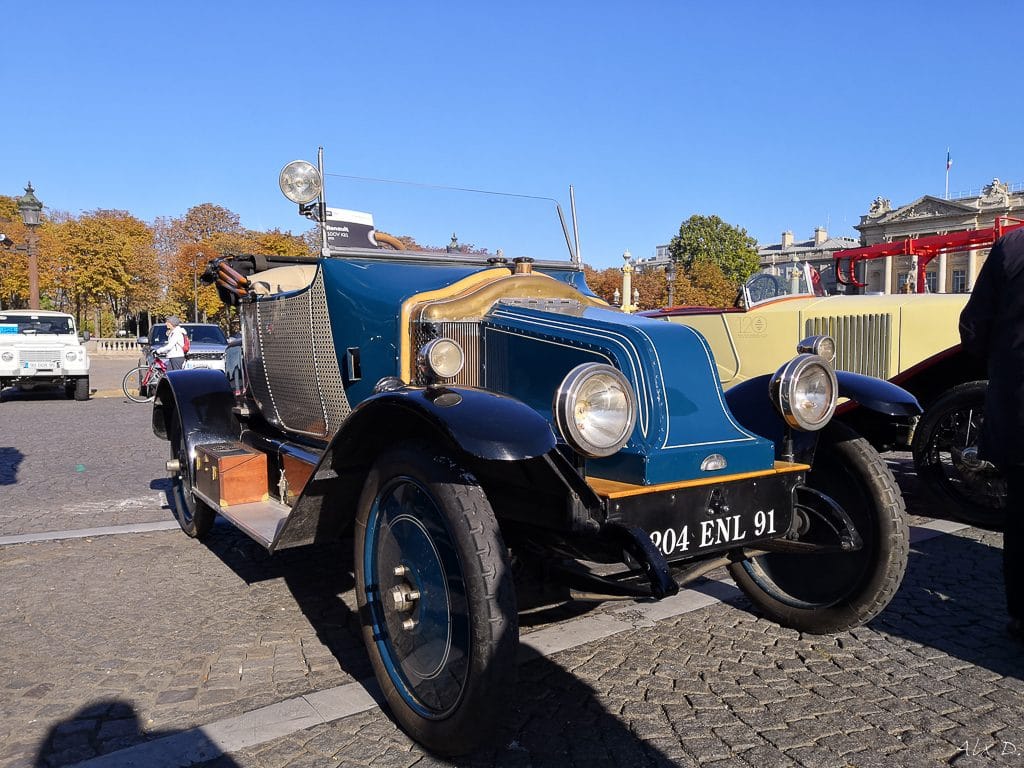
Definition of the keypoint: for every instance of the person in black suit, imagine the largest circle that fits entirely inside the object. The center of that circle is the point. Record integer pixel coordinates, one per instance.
(992, 327)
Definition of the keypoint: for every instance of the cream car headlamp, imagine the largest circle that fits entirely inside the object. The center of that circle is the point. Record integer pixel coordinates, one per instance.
(7, 357)
(804, 391)
(300, 182)
(441, 358)
(823, 346)
(595, 409)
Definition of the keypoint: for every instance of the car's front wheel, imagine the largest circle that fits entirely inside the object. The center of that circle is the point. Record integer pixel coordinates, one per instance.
(81, 388)
(836, 590)
(950, 473)
(436, 597)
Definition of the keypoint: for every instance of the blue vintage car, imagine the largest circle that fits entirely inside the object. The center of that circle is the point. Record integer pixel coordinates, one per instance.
(460, 413)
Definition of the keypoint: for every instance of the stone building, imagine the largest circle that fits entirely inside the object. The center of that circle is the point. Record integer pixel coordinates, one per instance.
(952, 273)
(778, 257)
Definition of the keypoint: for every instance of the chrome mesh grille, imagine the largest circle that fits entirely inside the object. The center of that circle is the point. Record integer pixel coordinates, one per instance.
(292, 366)
(39, 355)
(862, 341)
(466, 334)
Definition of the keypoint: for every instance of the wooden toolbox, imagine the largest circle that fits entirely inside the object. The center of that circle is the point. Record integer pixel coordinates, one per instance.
(231, 473)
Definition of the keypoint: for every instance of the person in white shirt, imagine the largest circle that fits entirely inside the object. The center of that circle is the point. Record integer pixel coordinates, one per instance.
(174, 349)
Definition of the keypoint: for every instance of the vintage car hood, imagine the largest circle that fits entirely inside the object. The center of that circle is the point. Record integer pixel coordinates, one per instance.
(37, 342)
(365, 300)
(196, 346)
(880, 335)
(682, 415)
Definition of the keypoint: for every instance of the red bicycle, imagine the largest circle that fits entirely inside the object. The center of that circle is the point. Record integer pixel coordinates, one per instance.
(139, 384)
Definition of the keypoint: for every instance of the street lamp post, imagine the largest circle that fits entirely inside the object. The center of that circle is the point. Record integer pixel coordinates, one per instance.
(670, 276)
(195, 286)
(30, 208)
(627, 284)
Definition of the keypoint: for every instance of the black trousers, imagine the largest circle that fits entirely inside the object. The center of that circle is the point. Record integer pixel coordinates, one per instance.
(1013, 542)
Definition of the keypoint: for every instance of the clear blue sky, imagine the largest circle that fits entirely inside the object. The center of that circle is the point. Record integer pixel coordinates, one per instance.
(773, 116)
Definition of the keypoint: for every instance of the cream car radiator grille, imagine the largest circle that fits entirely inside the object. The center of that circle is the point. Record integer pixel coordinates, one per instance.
(862, 341)
(466, 334)
(292, 366)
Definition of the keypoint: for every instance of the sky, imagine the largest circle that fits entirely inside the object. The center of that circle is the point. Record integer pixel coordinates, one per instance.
(774, 116)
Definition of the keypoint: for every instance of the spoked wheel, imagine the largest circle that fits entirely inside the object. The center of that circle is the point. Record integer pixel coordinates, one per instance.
(949, 471)
(436, 597)
(764, 286)
(194, 515)
(136, 387)
(850, 491)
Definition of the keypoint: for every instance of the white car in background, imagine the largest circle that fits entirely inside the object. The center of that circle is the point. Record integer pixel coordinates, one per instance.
(39, 348)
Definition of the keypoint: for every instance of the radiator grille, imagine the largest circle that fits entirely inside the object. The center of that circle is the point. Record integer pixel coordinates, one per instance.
(862, 341)
(292, 366)
(40, 356)
(467, 334)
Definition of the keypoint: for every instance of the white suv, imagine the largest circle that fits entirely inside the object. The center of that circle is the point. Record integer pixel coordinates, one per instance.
(41, 348)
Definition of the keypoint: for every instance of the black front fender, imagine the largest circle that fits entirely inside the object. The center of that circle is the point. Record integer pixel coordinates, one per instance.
(488, 428)
(877, 395)
(483, 424)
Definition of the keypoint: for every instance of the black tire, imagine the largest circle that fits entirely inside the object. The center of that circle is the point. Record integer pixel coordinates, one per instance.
(447, 675)
(950, 477)
(194, 515)
(827, 592)
(81, 389)
(131, 385)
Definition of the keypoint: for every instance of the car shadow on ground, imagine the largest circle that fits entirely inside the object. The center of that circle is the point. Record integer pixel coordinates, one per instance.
(548, 710)
(109, 725)
(10, 460)
(13, 394)
(953, 600)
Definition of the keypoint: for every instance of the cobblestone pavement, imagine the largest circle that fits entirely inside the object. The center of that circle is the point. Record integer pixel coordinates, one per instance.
(112, 641)
(67, 464)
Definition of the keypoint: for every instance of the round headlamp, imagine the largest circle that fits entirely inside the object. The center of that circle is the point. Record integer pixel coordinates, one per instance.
(300, 182)
(823, 346)
(70, 356)
(442, 358)
(804, 391)
(7, 357)
(595, 409)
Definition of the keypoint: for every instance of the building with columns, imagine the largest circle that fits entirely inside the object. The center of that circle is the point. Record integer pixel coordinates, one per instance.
(928, 215)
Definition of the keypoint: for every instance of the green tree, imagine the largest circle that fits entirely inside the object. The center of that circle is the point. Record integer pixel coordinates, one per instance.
(709, 239)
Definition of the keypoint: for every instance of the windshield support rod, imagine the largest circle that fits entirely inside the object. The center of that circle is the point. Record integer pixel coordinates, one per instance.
(565, 231)
(575, 227)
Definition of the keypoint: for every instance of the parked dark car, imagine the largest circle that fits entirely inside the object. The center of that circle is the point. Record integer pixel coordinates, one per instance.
(207, 344)
(456, 412)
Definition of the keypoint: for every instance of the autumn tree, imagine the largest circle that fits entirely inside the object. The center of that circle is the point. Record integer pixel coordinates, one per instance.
(103, 260)
(703, 285)
(13, 263)
(603, 282)
(709, 239)
(278, 243)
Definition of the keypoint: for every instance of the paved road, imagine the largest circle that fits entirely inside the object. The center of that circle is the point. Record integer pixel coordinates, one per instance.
(115, 645)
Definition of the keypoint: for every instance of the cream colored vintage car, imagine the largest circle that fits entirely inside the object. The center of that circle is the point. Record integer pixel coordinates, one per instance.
(910, 339)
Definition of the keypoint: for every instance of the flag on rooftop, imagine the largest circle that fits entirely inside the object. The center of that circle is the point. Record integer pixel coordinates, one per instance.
(949, 161)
